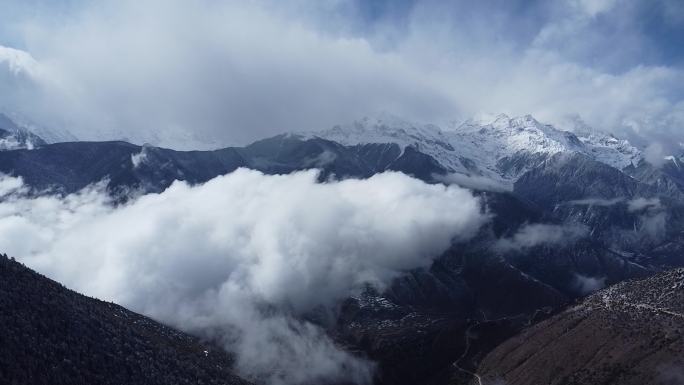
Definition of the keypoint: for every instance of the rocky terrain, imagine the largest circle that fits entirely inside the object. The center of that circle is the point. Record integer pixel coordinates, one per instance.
(629, 333)
(52, 335)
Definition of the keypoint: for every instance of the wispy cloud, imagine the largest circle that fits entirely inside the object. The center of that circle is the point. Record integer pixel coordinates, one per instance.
(537, 234)
(595, 202)
(475, 182)
(586, 284)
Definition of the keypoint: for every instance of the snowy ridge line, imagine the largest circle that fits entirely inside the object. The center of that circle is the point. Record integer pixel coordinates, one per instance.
(484, 147)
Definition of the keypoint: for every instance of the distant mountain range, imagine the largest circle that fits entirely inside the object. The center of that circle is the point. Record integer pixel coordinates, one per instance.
(572, 213)
(498, 148)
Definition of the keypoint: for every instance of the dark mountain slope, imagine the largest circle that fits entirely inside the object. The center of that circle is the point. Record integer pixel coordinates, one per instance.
(632, 213)
(569, 177)
(52, 335)
(630, 333)
(668, 177)
(69, 167)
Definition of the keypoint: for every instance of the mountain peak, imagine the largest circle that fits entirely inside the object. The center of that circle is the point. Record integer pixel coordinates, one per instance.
(479, 145)
(518, 121)
(13, 137)
(484, 118)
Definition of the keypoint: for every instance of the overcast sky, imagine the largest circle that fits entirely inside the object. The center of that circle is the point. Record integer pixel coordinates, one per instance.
(174, 72)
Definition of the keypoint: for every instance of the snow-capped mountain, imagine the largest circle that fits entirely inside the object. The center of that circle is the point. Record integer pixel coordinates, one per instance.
(20, 77)
(51, 134)
(13, 137)
(488, 147)
(623, 223)
(426, 138)
(18, 132)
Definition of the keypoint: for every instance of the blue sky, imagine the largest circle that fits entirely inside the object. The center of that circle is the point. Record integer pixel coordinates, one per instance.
(304, 64)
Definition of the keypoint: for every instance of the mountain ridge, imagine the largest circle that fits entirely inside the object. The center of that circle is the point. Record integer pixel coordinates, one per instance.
(52, 335)
(485, 147)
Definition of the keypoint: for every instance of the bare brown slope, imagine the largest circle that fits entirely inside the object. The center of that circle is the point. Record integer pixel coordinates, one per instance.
(630, 333)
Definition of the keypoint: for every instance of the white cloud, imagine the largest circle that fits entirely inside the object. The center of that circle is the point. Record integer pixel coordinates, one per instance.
(184, 73)
(532, 235)
(655, 154)
(650, 214)
(587, 285)
(244, 256)
(652, 218)
(654, 225)
(476, 182)
(594, 7)
(10, 186)
(596, 202)
(633, 205)
(19, 63)
(139, 158)
(178, 72)
(639, 204)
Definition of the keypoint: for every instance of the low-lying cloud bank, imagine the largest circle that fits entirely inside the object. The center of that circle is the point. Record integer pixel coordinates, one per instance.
(244, 256)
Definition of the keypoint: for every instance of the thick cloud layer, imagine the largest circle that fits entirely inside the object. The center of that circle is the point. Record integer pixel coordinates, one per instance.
(201, 72)
(243, 257)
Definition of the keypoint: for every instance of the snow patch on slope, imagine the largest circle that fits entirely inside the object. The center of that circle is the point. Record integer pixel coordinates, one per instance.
(13, 137)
